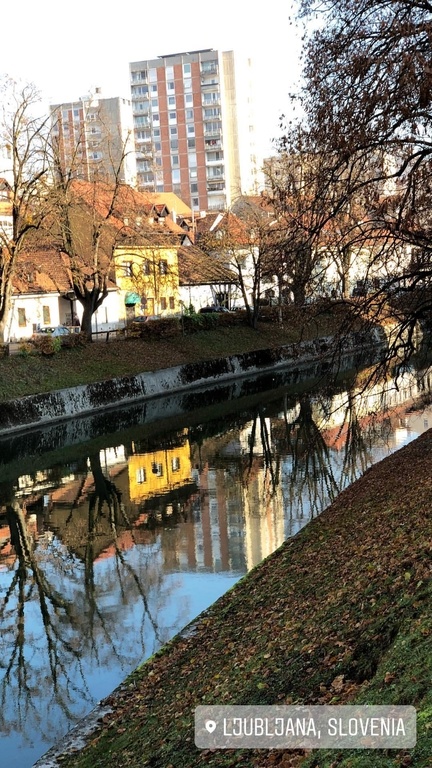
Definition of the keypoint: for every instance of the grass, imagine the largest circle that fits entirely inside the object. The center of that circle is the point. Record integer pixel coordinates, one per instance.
(340, 614)
(22, 375)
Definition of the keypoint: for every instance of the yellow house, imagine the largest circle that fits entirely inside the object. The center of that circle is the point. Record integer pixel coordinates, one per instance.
(148, 277)
(158, 472)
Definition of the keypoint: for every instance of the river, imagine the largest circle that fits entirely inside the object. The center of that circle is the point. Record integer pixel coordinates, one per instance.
(110, 546)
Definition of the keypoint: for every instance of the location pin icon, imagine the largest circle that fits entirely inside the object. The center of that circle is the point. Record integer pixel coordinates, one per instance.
(210, 725)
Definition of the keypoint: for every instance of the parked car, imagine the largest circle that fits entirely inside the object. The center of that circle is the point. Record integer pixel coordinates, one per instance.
(213, 308)
(58, 330)
(145, 318)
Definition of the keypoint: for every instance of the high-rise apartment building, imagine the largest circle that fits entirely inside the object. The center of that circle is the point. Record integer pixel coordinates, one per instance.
(94, 134)
(194, 127)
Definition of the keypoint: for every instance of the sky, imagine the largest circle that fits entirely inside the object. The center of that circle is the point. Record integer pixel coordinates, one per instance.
(67, 50)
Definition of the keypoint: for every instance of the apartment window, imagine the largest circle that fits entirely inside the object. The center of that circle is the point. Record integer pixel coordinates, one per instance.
(210, 98)
(157, 469)
(154, 104)
(175, 464)
(163, 303)
(141, 475)
(195, 203)
(163, 267)
(186, 69)
(188, 100)
(172, 117)
(175, 160)
(156, 133)
(128, 268)
(143, 135)
(22, 322)
(153, 89)
(156, 118)
(212, 156)
(171, 302)
(141, 106)
(212, 112)
(191, 130)
(169, 72)
(158, 160)
(146, 267)
(189, 114)
(152, 75)
(139, 90)
(176, 176)
(192, 160)
(46, 315)
(173, 131)
(194, 189)
(193, 173)
(191, 143)
(157, 146)
(174, 145)
(139, 75)
(187, 84)
(170, 87)
(171, 102)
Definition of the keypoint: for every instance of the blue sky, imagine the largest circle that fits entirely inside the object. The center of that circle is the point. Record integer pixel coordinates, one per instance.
(68, 50)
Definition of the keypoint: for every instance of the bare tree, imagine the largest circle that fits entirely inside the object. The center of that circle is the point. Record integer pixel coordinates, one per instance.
(23, 144)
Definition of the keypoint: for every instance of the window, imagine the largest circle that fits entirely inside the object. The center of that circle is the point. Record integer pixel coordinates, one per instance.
(174, 131)
(157, 146)
(191, 143)
(171, 302)
(139, 75)
(171, 102)
(192, 160)
(128, 268)
(152, 75)
(147, 267)
(163, 267)
(169, 72)
(163, 303)
(175, 160)
(194, 189)
(140, 475)
(189, 114)
(172, 117)
(22, 322)
(176, 176)
(175, 464)
(154, 104)
(186, 69)
(46, 315)
(187, 84)
(156, 133)
(195, 203)
(174, 145)
(153, 89)
(156, 118)
(170, 87)
(188, 100)
(157, 469)
(191, 130)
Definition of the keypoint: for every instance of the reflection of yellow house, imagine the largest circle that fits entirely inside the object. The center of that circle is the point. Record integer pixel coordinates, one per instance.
(148, 276)
(158, 472)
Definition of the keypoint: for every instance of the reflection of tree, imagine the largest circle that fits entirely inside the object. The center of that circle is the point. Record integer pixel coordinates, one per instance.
(106, 501)
(312, 476)
(30, 584)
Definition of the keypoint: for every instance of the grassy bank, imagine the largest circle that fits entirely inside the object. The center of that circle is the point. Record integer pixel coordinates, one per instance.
(340, 614)
(31, 374)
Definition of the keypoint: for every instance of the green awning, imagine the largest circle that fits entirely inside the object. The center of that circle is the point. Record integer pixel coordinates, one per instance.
(132, 298)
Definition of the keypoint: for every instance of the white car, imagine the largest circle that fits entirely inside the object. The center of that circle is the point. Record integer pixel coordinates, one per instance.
(58, 330)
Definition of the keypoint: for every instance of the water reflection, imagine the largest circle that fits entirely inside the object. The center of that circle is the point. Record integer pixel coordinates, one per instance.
(107, 556)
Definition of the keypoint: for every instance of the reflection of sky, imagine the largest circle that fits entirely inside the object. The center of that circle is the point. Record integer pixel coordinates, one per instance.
(131, 626)
(144, 595)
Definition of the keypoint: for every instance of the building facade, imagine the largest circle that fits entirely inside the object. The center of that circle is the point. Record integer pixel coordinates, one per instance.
(194, 128)
(95, 137)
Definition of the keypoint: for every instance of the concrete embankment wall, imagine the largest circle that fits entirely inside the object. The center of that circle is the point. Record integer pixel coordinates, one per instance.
(37, 410)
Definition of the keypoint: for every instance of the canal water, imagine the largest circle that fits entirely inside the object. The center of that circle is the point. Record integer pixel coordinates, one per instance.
(110, 546)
